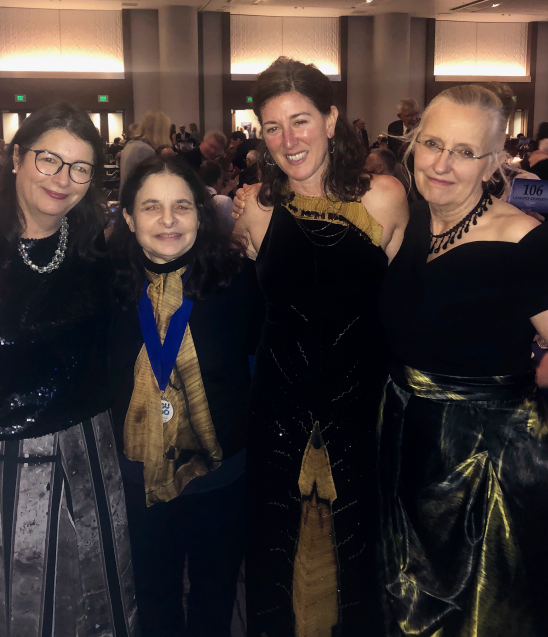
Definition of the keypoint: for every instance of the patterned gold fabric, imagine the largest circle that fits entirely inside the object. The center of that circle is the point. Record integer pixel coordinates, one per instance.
(315, 575)
(175, 452)
(337, 212)
(464, 470)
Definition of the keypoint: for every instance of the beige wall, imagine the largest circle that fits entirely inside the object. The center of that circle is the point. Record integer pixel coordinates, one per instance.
(213, 70)
(145, 54)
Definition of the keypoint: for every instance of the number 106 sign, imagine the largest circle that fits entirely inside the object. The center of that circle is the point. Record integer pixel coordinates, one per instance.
(529, 194)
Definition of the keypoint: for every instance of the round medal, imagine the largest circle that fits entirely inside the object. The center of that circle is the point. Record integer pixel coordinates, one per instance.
(167, 411)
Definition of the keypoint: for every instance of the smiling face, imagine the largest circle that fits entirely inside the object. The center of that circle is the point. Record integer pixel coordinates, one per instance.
(442, 179)
(297, 136)
(50, 198)
(165, 218)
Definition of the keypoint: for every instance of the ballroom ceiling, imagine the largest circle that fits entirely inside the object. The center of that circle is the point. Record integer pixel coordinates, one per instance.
(478, 10)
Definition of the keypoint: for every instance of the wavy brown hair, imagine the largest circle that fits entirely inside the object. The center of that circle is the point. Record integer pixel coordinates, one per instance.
(345, 178)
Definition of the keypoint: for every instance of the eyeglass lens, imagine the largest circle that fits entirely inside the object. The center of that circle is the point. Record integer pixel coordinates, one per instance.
(457, 154)
(50, 164)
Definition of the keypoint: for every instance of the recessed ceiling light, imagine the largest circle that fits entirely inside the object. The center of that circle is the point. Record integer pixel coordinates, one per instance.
(368, 1)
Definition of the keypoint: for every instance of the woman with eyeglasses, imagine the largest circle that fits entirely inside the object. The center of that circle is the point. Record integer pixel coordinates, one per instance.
(66, 566)
(463, 431)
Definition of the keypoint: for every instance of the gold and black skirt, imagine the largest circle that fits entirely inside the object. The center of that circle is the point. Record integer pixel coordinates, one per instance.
(464, 489)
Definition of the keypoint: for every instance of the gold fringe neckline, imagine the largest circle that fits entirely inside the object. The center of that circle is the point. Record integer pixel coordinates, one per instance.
(351, 213)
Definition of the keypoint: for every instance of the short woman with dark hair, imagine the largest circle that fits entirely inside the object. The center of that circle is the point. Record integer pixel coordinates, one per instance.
(188, 311)
(324, 231)
(66, 555)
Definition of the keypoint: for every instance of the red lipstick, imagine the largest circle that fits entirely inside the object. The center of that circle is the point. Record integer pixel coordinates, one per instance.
(55, 195)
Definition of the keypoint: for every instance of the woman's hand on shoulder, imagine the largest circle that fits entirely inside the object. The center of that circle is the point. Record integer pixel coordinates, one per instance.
(252, 219)
(386, 202)
(241, 196)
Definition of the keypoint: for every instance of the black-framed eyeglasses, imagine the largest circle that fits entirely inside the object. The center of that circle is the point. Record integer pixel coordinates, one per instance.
(48, 163)
(459, 154)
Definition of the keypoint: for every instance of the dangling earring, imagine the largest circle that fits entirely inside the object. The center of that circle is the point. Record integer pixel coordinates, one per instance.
(331, 144)
(266, 158)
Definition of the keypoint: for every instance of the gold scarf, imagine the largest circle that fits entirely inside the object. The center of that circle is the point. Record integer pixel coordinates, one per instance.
(175, 452)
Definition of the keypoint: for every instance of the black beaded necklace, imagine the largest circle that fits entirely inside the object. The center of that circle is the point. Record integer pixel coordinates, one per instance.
(441, 241)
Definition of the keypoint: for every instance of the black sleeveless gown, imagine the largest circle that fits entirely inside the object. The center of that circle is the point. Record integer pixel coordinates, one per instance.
(312, 499)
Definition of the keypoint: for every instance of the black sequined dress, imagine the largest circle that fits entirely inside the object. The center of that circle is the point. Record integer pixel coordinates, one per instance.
(311, 452)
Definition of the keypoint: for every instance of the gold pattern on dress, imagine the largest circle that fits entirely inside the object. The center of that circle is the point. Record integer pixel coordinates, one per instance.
(424, 386)
(316, 570)
(351, 213)
(190, 431)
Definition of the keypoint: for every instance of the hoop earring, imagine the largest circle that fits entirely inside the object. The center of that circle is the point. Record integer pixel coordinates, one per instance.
(266, 159)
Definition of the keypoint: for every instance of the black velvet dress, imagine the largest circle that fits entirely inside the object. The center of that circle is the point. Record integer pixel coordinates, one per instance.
(311, 452)
(65, 561)
(463, 445)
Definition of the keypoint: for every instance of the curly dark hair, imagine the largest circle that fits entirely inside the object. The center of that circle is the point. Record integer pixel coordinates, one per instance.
(345, 177)
(217, 256)
(87, 219)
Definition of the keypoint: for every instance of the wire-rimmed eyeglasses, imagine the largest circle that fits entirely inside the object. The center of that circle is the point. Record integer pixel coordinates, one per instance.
(459, 154)
(48, 163)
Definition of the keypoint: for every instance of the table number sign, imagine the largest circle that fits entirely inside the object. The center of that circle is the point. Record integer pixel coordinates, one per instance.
(529, 195)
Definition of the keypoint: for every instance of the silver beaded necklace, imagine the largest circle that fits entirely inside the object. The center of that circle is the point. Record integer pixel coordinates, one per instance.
(57, 258)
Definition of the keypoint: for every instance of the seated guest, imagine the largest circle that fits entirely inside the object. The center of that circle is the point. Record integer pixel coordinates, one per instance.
(239, 148)
(115, 148)
(213, 146)
(212, 176)
(381, 161)
(180, 408)
(250, 174)
(151, 136)
(382, 142)
(236, 138)
(230, 181)
(408, 118)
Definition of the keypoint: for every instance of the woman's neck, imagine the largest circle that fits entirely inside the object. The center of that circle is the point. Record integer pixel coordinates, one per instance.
(40, 226)
(446, 216)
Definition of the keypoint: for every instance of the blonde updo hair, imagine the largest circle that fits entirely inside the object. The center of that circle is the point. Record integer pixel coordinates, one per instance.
(477, 96)
(154, 128)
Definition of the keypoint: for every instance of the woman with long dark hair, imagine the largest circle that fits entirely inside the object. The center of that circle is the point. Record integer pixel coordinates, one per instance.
(188, 314)
(66, 555)
(324, 231)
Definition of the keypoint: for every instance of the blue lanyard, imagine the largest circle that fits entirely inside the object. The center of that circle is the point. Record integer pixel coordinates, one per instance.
(162, 357)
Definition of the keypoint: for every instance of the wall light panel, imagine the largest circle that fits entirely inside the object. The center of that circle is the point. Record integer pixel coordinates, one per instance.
(485, 49)
(60, 42)
(256, 41)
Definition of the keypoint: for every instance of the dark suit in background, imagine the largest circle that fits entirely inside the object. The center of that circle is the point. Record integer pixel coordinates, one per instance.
(395, 128)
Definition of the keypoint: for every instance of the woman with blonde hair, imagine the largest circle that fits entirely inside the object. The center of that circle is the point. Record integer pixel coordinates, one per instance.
(463, 432)
(152, 135)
